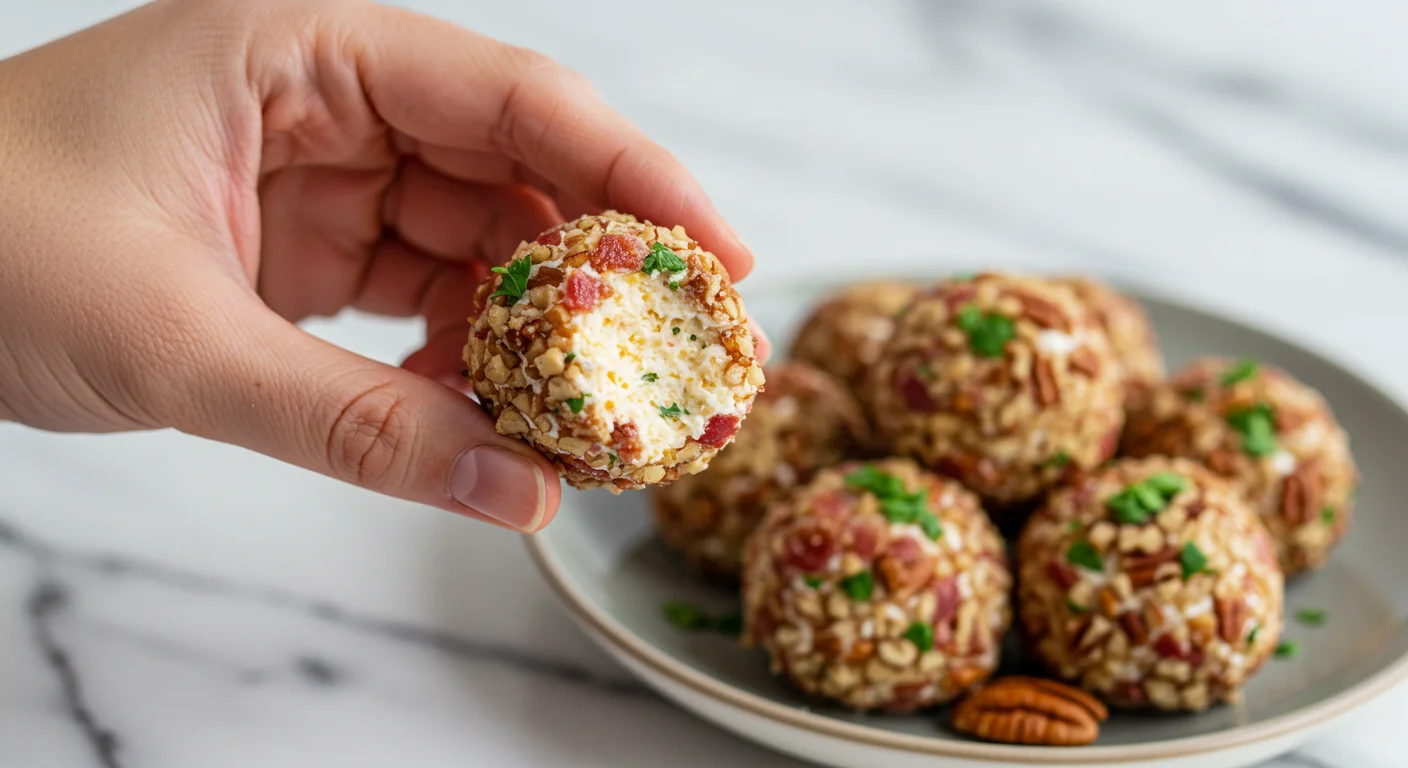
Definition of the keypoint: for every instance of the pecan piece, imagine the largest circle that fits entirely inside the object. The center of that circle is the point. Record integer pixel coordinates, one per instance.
(1044, 313)
(1231, 617)
(1143, 569)
(1045, 380)
(1028, 710)
(1085, 361)
(1133, 623)
(1300, 495)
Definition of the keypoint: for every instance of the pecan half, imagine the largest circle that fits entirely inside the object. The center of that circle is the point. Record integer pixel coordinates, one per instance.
(1028, 710)
(1133, 624)
(1044, 313)
(1143, 569)
(1300, 495)
(1085, 361)
(1045, 380)
(1231, 617)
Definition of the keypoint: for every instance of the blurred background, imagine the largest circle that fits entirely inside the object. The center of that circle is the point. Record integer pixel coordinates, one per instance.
(1251, 157)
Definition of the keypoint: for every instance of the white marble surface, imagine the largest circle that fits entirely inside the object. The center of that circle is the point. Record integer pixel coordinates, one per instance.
(167, 603)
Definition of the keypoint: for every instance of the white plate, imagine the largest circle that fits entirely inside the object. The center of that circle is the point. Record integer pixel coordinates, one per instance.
(601, 559)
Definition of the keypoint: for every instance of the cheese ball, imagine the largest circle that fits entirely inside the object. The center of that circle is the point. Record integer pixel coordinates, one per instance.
(1152, 584)
(616, 348)
(845, 333)
(1273, 437)
(805, 421)
(878, 586)
(1131, 334)
(1004, 382)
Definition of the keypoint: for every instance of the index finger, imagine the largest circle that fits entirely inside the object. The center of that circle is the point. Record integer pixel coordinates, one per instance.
(446, 86)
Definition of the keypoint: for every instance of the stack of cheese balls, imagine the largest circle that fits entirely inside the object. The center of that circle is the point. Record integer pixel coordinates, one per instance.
(859, 509)
(1153, 520)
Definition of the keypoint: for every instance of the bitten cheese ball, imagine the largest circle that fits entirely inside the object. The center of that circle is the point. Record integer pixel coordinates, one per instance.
(1152, 584)
(845, 333)
(1272, 436)
(878, 586)
(1003, 382)
(803, 422)
(617, 348)
(1132, 338)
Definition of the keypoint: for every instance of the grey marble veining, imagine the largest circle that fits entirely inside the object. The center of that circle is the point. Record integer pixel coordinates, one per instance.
(166, 603)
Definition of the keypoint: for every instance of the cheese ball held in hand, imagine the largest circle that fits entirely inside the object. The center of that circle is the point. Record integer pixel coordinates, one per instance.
(1133, 342)
(1152, 584)
(803, 422)
(1272, 436)
(845, 333)
(1003, 382)
(616, 348)
(878, 586)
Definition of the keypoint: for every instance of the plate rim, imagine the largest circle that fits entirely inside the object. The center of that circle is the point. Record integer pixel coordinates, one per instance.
(1280, 726)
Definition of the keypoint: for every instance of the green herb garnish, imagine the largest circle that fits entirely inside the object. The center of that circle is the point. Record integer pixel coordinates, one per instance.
(691, 337)
(675, 331)
(813, 581)
(575, 403)
(651, 377)
(1327, 515)
(930, 523)
(1312, 617)
(921, 634)
(1194, 395)
(611, 460)
(897, 504)
(674, 285)
(673, 412)
(1288, 650)
(692, 619)
(515, 279)
(1257, 426)
(1251, 636)
(1138, 502)
(1192, 559)
(1058, 460)
(987, 333)
(662, 258)
(1075, 607)
(859, 587)
(1168, 484)
(1083, 554)
(1240, 371)
(570, 357)
(1073, 526)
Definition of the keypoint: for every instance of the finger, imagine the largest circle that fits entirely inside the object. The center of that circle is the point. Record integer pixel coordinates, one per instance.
(456, 220)
(287, 394)
(443, 85)
(401, 280)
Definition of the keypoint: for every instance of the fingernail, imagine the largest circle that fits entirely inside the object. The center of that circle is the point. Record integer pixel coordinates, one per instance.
(501, 484)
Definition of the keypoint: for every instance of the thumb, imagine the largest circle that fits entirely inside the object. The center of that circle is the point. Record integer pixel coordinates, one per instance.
(289, 395)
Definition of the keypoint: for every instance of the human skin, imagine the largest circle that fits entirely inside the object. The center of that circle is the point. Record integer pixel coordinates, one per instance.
(180, 185)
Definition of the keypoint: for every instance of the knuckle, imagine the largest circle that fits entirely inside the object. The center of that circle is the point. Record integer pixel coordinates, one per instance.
(372, 438)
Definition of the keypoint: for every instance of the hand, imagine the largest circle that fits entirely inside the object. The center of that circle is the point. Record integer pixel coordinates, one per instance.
(181, 184)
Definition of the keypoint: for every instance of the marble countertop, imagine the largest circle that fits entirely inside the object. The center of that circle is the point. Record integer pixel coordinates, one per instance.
(166, 602)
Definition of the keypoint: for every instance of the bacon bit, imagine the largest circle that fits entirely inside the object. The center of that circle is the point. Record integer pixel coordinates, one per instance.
(905, 698)
(482, 333)
(1196, 656)
(584, 292)
(916, 396)
(1085, 361)
(904, 566)
(810, 547)
(958, 295)
(545, 276)
(865, 539)
(1063, 575)
(1130, 692)
(1045, 380)
(1290, 419)
(1109, 444)
(1168, 647)
(945, 600)
(831, 505)
(626, 438)
(619, 253)
(550, 238)
(719, 430)
(1044, 313)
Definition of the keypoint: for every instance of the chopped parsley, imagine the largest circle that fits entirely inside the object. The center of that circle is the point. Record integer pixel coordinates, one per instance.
(674, 285)
(1058, 459)
(692, 337)
(1073, 526)
(1288, 650)
(1193, 560)
(927, 371)
(897, 504)
(813, 581)
(1240, 371)
(652, 377)
(673, 412)
(921, 634)
(859, 587)
(662, 258)
(1257, 426)
(675, 331)
(1251, 637)
(1312, 617)
(515, 279)
(1075, 607)
(1194, 395)
(1083, 554)
(693, 619)
(1327, 515)
(987, 333)
(611, 460)
(575, 403)
(1138, 502)
(570, 357)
